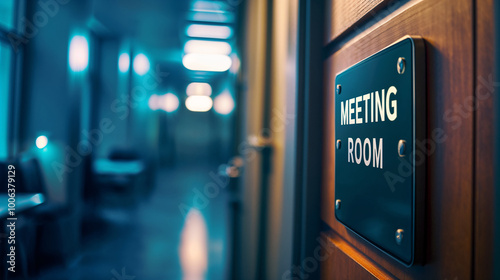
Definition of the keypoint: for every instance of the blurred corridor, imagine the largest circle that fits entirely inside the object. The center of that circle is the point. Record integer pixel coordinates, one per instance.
(115, 115)
(249, 139)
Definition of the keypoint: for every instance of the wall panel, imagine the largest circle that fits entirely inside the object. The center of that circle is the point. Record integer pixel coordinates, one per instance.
(448, 30)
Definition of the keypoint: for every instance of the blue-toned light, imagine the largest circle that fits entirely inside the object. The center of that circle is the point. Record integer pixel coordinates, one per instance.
(209, 31)
(7, 13)
(124, 62)
(224, 103)
(78, 53)
(37, 199)
(141, 64)
(118, 167)
(41, 141)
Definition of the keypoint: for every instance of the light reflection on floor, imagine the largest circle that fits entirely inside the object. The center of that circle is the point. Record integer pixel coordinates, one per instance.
(193, 246)
(158, 242)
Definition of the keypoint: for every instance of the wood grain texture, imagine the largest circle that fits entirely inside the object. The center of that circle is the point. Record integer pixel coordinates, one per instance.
(354, 264)
(343, 14)
(484, 170)
(447, 28)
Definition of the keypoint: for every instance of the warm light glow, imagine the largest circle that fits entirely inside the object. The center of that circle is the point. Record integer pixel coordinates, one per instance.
(41, 141)
(235, 66)
(193, 251)
(124, 62)
(199, 89)
(207, 47)
(78, 53)
(224, 103)
(209, 31)
(154, 102)
(207, 62)
(141, 64)
(169, 102)
(199, 103)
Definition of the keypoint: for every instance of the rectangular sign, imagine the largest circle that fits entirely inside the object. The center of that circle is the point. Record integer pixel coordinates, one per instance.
(380, 156)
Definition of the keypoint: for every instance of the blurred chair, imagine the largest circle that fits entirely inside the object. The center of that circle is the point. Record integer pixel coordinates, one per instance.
(124, 154)
(49, 221)
(117, 183)
(26, 198)
(21, 259)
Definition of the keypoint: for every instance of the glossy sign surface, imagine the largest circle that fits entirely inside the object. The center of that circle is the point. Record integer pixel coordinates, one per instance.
(379, 119)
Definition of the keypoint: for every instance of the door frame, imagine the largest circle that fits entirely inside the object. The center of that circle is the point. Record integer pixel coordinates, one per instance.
(309, 135)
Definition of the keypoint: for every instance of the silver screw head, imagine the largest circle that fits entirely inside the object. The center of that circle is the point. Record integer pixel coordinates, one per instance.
(401, 148)
(338, 144)
(339, 89)
(401, 65)
(399, 236)
(337, 204)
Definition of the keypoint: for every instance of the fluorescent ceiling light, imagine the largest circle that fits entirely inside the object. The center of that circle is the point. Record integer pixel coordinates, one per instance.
(169, 102)
(153, 102)
(203, 89)
(41, 141)
(209, 31)
(141, 64)
(207, 47)
(212, 16)
(199, 103)
(124, 62)
(224, 103)
(207, 62)
(209, 6)
(78, 53)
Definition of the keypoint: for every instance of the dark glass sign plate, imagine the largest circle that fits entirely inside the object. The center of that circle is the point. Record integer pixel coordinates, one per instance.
(379, 159)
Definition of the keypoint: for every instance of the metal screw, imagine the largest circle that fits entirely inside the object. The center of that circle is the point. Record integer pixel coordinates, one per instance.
(338, 144)
(401, 65)
(399, 236)
(337, 204)
(339, 89)
(401, 148)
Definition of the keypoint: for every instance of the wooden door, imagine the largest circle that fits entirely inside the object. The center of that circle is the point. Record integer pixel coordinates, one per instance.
(460, 87)
(267, 139)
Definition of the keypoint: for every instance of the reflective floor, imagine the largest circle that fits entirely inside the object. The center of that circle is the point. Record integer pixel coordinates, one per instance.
(162, 238)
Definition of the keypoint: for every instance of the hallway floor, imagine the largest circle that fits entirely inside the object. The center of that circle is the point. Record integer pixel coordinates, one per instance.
(148, 242)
